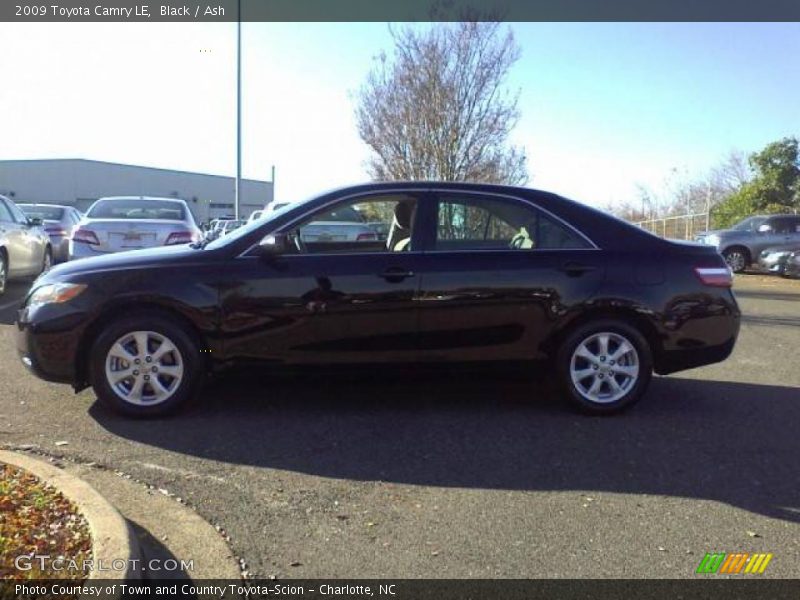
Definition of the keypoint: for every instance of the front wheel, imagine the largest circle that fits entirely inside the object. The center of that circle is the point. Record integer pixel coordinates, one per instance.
(605, 366)
(145, 366)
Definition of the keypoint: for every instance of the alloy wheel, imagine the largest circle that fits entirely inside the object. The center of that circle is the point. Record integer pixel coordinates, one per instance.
(604, 367)
(735, 260)
(3, 275)
(144, 368)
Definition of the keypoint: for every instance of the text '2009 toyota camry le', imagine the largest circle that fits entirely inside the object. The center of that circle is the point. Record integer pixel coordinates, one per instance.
(466, 273)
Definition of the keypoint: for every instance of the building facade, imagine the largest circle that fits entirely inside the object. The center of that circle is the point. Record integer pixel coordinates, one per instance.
(79, 182)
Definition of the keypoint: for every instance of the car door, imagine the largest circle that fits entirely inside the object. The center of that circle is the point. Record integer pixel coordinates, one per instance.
(768, 235)
(331, 301)
(498, 272)
(18, 246)
(788, 231)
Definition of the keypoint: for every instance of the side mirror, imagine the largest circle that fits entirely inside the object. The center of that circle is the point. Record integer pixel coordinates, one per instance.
(273, 245)
(765, 228)
(34, 222)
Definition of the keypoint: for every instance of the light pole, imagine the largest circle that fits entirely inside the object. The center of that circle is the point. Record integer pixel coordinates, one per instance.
(238, 186)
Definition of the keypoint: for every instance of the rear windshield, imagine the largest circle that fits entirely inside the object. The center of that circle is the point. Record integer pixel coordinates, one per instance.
(137, 209)
(43, 212)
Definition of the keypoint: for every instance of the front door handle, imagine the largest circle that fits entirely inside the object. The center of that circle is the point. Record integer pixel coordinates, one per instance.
(396, 274)
(575, 269)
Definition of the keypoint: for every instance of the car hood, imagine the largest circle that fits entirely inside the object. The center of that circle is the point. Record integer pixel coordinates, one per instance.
(718, 232)
(123, 260)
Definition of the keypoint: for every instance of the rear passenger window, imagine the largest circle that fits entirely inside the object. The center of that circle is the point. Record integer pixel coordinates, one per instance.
(475, 223)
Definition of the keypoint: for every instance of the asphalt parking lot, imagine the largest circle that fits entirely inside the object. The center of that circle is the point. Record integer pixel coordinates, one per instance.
(466, 474)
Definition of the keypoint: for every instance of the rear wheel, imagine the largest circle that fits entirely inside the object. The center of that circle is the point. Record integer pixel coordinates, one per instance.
(47, 260)
(605, 366)
(737, 259)
(145, 366)
(3, 273)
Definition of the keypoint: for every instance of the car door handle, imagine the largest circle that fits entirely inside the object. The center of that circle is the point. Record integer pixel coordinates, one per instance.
(574, 269)
(396, 274)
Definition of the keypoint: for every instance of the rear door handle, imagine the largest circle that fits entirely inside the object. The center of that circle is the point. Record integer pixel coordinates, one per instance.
(574, 269)
(396, 274)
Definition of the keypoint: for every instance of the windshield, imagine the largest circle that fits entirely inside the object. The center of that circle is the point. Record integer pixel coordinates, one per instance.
(749, 224)
(42, 211)
(244, 230)
(137, 208)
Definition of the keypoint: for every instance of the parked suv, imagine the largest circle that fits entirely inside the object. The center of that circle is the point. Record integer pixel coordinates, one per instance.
(742, 244)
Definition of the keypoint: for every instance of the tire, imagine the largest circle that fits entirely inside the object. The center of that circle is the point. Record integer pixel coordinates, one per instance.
(47, 260)
(161, 382)
(737, 258)
(3, 273)
(599, 382)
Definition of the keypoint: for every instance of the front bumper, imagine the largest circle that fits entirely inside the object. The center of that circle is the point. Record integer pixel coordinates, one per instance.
(48, 345)
(772, 263)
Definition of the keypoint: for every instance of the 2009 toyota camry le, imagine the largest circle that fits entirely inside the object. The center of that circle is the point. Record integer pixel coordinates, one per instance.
(466, 272)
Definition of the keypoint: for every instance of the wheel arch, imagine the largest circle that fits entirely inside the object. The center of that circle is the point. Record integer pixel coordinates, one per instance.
(129, 309)
(743, 248)
(628, 315)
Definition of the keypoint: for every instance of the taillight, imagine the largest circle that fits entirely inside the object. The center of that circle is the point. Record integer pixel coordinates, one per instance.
(178, 237)
(55, 231)
(367, 237)
(715, 276)
(87, 236)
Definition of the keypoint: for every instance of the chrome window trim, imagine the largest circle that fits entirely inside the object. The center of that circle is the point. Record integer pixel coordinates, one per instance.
(439, 191)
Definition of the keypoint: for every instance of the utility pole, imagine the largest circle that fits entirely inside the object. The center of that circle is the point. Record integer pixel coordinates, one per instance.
(273, 183)
(238, 186)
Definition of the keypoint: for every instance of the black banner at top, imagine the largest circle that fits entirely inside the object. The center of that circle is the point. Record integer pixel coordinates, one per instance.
(146, 11)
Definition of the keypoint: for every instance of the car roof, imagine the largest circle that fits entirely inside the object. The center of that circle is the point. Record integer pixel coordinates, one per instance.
(45, 204)
(179, 200)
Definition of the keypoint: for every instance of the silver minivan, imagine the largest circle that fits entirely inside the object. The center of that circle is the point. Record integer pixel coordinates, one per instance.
(742, 244)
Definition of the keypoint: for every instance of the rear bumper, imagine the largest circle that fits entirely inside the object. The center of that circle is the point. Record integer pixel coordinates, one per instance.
(60, 246)
(689, 358)
(697, 330)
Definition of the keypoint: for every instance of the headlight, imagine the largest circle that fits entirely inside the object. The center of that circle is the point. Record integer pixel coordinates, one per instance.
(55, 293)
(712, 240)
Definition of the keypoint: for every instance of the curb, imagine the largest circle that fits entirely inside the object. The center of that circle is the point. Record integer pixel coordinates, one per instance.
(112, 538)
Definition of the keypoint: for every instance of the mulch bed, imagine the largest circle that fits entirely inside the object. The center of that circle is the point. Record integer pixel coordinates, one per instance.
(35, 519)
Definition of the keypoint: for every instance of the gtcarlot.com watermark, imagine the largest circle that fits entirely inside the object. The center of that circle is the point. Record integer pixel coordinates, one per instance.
(45, 562)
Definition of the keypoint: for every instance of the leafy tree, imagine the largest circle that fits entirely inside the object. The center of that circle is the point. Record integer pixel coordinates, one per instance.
(774, 188)
(437, 108)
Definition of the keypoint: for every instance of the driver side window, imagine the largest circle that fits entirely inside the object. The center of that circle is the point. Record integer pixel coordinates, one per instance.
(371, 224)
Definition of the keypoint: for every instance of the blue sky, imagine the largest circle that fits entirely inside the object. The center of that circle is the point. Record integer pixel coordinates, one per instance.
(605, 107)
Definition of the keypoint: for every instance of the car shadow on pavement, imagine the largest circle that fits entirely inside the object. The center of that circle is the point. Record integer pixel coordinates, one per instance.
(732, 442)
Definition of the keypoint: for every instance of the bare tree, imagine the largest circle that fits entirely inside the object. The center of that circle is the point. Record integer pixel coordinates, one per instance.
(437, 108)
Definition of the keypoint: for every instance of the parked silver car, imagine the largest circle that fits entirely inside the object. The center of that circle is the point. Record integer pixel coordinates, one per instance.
(129, 223)
(25, 249)
(742, 244)
(774, 259)
(58, 222)
(338, 225)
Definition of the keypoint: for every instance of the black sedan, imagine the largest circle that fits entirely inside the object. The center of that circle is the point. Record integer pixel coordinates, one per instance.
(466, 273)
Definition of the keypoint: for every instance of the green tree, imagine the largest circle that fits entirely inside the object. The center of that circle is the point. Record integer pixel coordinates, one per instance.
(774, 188)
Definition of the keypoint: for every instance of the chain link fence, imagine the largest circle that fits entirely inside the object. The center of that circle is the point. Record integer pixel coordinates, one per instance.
(680, 227)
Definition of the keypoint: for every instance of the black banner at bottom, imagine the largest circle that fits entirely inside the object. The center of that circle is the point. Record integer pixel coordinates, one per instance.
(406, 589)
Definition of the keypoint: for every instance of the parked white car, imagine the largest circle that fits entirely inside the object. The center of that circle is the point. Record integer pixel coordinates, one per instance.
(25, 249)
(130, 223)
